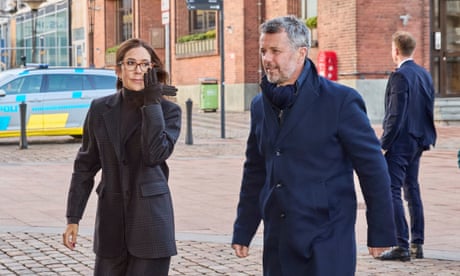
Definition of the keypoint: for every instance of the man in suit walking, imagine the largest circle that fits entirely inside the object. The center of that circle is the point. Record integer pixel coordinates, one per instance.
(408, 130)
(307, 135)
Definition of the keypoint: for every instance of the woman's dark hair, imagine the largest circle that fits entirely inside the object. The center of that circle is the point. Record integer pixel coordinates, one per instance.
(135, 43)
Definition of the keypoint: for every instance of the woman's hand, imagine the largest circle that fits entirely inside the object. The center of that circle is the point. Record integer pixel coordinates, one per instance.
(153, 90)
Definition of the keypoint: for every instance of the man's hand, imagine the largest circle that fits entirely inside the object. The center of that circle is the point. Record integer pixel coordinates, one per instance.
(241, 250)
(70, 236)
(153, 89)
(377, 251)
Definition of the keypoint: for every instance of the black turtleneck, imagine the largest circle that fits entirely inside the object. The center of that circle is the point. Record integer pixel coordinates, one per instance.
(130, 110)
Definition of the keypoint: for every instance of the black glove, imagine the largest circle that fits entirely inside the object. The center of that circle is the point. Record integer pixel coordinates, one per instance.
(153, 89)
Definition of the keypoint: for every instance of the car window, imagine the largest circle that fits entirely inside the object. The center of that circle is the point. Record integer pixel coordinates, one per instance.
(100, 82)
(64, 82)
(13, 87)
(23, 85)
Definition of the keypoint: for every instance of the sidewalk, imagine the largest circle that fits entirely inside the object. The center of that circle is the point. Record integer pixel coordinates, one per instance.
(205, 179)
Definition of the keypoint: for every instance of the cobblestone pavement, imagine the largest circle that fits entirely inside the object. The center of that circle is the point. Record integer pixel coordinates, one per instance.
(204, 181)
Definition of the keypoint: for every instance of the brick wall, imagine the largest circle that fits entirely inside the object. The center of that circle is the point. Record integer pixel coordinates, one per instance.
(241, 46)
(361, 32)
(338, 35)
(100, 23)
(150, 23)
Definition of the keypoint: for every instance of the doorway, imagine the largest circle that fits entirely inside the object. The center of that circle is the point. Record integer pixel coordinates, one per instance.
(446, 47)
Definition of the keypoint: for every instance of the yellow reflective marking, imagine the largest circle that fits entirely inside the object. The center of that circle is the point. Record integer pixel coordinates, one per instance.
(50, 132)
(35, 121)
(55, 120)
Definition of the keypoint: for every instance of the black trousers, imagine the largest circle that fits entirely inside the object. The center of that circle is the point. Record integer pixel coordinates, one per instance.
(128, 265)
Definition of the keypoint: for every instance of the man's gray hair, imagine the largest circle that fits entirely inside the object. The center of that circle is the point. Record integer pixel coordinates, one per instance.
(296, 30)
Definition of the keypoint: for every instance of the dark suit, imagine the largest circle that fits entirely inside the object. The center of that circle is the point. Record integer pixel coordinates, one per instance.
(298, 179)
(134, 210)
(408, 130)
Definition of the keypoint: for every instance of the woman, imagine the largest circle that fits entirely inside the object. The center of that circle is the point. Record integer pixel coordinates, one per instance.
(129, 136)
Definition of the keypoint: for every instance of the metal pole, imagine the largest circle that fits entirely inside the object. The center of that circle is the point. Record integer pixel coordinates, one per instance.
(92, 9)
(222, 71)
(22, 114)
(188, 134)
(167, 51)
(34, 35)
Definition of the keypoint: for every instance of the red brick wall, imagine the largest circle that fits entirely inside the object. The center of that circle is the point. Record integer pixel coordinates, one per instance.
(110, 19)
(338, 35)
(99, 29)
(241, 46)
(149, 18)
(378, 20)
(361, 33)
(241, 22)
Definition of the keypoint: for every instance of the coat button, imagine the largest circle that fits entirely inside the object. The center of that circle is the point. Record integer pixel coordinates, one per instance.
(279, 185)
(278, 152)
(283, 215)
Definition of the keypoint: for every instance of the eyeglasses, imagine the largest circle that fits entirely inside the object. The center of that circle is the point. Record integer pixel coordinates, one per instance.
(132, 65)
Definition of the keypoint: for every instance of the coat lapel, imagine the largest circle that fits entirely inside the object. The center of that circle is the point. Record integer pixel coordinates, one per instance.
(112, 122)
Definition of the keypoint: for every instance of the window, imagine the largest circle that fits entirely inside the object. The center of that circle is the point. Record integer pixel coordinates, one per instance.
(309, 8)
(124, 20)
(100, 82)
(29, 84)
(73, 82)
(64, 82)
(52, 38)
(202, 21)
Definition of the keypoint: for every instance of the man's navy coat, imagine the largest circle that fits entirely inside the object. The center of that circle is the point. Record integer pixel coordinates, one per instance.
(298, 178)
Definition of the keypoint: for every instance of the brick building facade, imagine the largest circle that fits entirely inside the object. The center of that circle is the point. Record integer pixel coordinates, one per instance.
(358, 31)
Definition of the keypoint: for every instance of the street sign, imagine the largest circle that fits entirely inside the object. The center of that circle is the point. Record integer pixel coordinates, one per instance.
(165, 17)
(204, 4)
(203, 1)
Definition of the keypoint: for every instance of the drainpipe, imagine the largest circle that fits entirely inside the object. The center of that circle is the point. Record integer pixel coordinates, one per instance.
(260, 19)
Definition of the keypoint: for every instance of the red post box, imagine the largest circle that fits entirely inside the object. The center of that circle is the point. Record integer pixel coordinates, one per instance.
(327, 64)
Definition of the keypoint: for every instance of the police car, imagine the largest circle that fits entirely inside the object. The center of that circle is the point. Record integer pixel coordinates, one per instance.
(57, 99)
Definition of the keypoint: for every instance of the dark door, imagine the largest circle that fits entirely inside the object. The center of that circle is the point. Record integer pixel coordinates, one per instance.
(446, 47)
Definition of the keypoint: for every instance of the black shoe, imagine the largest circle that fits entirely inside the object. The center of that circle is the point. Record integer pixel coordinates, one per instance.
(396, 253)
(416, 250)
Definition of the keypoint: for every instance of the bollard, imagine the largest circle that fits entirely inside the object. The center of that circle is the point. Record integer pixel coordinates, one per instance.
(458, 155)
(22, 113)
(188, 134)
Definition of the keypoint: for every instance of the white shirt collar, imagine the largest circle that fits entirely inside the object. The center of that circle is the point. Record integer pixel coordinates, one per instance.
(401, 63)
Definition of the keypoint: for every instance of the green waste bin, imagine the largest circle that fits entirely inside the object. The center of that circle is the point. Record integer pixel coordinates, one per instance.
(209, 94)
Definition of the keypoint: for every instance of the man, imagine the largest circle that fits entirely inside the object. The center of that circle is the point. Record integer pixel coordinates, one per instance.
(408, 130)
(307, 135)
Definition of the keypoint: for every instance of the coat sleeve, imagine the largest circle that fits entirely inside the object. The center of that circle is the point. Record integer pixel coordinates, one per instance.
(86, 165)
(248, 211)
(161, 124)
(362, 146)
